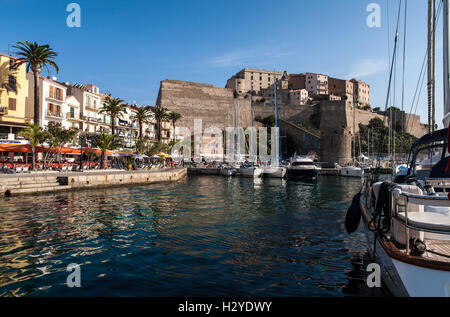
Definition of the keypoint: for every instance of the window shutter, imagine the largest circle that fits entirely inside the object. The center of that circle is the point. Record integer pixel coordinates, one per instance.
(12, 104)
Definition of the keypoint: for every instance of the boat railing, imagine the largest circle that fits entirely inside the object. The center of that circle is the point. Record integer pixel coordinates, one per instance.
(443, 183)
(405, 199)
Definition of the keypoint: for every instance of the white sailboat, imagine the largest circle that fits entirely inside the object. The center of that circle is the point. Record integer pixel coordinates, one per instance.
(351, 171)
(250, 170)
(275, 170)
(407, 222)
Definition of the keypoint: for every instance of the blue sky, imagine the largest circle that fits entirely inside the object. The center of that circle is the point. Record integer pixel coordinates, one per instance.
(127, 47)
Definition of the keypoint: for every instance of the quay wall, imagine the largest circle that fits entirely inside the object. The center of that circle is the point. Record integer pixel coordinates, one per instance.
(35, 183)
(302, 140)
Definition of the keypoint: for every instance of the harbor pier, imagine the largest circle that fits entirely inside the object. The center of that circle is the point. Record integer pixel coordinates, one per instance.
(56, 181)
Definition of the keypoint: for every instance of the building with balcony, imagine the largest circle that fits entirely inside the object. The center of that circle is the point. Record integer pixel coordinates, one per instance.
(14, 93)
(72, 111)
(127, 127)
(316, 84)
(90, 100)
(52, 95)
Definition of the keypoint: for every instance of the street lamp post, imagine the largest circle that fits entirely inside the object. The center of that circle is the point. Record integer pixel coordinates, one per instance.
(82, 140)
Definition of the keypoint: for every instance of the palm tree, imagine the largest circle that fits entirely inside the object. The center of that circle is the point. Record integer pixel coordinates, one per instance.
(174, 117)
(35, 135)
(36, 56)
(160, 114)
(105, 142)
(115, 108)
(91, 155)
(142, 115)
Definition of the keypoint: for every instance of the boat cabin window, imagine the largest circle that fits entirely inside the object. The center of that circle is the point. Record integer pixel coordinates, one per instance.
(303, 163)
(430, 162)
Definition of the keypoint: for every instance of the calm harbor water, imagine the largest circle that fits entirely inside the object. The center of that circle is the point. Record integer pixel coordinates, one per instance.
(203, 236)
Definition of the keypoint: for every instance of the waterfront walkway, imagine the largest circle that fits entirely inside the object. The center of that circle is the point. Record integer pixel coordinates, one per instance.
(38, 182)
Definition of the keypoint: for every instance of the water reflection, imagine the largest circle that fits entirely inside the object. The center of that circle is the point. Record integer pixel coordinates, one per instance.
(204, 236)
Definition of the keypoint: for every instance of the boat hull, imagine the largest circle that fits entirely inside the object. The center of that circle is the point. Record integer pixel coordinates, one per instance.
(400, 277)
(274, 172)
(302, 173)
(227, 172)
(351, 172)
(252, 172)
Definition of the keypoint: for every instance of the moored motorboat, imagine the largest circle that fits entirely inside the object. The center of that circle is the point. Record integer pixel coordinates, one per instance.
(351, 171)
(302, 167)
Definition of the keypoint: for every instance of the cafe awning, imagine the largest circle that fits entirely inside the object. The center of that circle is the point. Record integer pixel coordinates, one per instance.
(26, 148)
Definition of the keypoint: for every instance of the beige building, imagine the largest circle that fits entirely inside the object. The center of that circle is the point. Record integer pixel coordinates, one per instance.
(298, 97)
(72, 113)
(316, 84)
(90, 101)
(13, 96)
(361, 92)
(260, 79)
(342, 88)
(52, 96)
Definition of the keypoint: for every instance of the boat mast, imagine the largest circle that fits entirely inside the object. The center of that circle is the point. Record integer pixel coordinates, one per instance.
(251, 113)
(431, 64)
(277, 118)
(238, 150)
(359, 143)
(446, 71)
(235, 133)
(251, 103)
(354, 129)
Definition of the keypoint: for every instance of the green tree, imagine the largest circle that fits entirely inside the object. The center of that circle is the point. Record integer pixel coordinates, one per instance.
(91, 155)
(115, 108)
(160, 147)
(269, 121)
(35, 135)
(141, 145)
(104, 142)
(56, 137)
(174, 117)
(376, 123)
(161, 115)
(36, 57)
(142, 115)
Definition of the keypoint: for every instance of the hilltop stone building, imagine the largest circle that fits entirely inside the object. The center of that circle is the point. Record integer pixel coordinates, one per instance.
(260, 79)
(361, 92)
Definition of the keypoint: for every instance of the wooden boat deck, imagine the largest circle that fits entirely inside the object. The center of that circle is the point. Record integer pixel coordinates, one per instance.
(439, 246)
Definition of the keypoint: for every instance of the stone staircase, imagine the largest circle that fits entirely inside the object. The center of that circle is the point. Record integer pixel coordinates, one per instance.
(25, 185)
